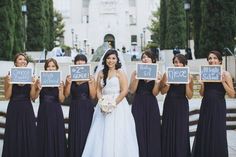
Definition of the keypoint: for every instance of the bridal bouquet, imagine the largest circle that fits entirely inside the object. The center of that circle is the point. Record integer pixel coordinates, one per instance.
(107, 104)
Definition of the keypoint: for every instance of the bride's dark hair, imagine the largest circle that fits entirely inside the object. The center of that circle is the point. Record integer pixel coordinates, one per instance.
(106, 68)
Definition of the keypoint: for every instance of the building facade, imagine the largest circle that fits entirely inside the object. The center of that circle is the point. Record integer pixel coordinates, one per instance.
(121, 23)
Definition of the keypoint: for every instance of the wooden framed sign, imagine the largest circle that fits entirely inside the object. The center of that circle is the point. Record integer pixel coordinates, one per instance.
(80, 72)
(211, 73)
(50, 78)
(178, 75)
(146, 71)
(21, 75)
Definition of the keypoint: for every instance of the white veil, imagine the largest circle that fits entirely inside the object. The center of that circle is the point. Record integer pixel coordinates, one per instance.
(121, 58)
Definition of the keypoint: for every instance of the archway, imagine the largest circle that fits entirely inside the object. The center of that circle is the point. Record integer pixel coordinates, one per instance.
(110, 39)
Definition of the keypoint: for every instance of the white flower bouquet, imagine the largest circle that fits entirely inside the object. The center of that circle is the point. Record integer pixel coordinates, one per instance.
(107, 104)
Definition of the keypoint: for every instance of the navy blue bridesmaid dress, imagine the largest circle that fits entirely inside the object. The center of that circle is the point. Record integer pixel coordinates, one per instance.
(210, 138)
(80, 118)
(20, 131)
(147, 120)
(50, 124)
(175, 123)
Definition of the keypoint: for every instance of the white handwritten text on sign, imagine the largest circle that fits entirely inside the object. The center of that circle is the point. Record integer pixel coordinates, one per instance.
(21, 75)
(211, 73)
(50, 78)
(176, 75)
(80, 72)
(146, 71)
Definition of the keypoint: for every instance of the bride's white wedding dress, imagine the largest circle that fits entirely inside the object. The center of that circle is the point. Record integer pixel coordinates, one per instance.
(113, 134)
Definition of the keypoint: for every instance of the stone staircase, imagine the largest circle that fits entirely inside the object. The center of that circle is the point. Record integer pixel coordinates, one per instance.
(2, 89)
(196, 86)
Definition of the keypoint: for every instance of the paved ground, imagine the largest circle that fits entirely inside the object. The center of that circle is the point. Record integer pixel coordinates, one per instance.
(194, 104)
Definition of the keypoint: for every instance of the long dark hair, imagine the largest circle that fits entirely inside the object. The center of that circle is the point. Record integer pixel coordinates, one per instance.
(150, 55)
(80, 57)
(51, 60)
(106, 68)
(182, 59)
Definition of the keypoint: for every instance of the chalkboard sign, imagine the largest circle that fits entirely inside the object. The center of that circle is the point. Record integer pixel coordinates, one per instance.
(50, 78)
(21, 75)
(146, 71)
(211, 73)
(178, 75)
(80, 72)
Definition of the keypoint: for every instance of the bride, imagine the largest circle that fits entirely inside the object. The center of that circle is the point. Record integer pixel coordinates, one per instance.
(112, 134)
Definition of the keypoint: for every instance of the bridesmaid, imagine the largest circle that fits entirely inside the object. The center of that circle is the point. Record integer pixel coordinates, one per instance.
(146, 111)
(81, 110)
(211, 139)
(175, 118)
(50, 122)
(20, 131)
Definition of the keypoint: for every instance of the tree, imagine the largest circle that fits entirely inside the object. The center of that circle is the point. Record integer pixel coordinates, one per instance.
(18, 27)
(36, 25)
(175, 24)
(163, 18)
(6, 29)
(49, 24)
(217, 26)
(58, 27)
(155, 27)
(196, 13)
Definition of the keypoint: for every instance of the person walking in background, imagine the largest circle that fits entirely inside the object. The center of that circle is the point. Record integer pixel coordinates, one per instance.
(112, 133)
(210, 139)
(50, 122)
(175, 118)
(81, 110)
(146, 111)
(20, 131)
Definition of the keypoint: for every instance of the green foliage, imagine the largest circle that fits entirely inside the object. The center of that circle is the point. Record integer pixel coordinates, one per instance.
(196, 12)
(155, 27)
(163, 18)
(176, 26)
(58, 27)
(6, 29)
(217, 27)
(36, 25)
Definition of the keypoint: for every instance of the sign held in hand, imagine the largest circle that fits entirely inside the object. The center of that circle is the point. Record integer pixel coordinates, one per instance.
(178, 75)
(146, 71)
(50, 78)
(211, 73)
(80, 72)
(21, 75)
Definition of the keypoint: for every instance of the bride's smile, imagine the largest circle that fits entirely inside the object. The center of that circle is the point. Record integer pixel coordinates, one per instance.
(111, 61)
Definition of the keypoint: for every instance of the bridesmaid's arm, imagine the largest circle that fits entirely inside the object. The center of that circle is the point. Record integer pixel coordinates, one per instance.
(7, 87)
(189, 87)
(201, 91)
(92, 87)
(164, 85)
(228, 84)
(123, 86)
(99, 88)
(133, 83)
(35, 89)
(61, 92)
(67, 86)
(156, 88)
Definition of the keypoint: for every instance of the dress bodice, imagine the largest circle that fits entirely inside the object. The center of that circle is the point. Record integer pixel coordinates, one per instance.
(49, 93)
(79, 90)
(177, 90)
(145, 87)
(214, 88)
(112, 86)
(20, 92)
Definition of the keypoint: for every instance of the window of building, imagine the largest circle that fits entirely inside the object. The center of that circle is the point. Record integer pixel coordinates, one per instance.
(133, 39)
(132, 3)
(85, 3)
(132, 20)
